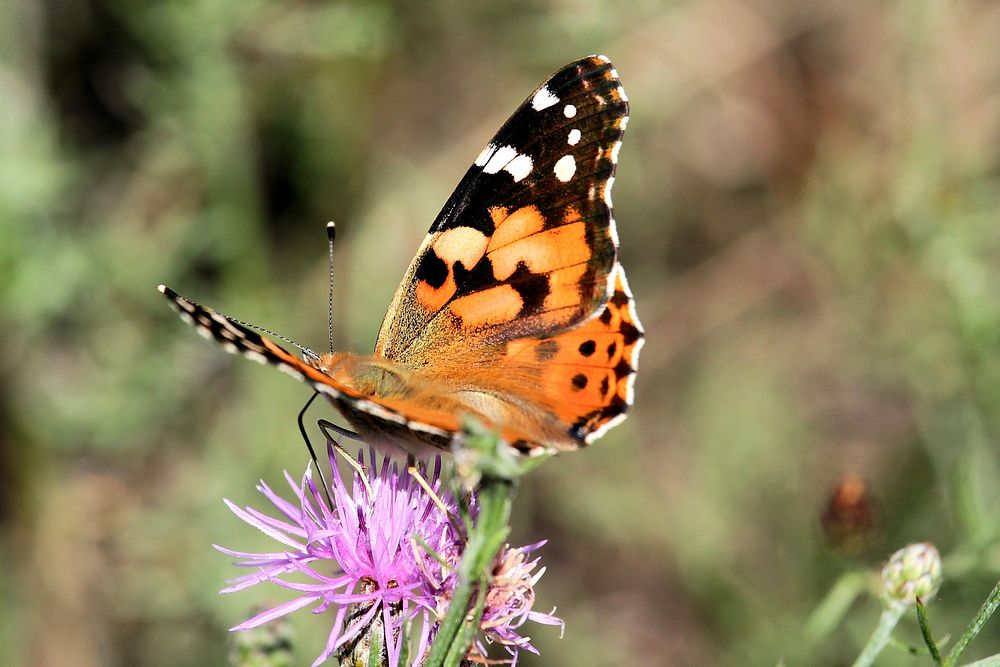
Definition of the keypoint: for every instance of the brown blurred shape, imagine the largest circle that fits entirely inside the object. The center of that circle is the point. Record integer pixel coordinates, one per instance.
(850, 520)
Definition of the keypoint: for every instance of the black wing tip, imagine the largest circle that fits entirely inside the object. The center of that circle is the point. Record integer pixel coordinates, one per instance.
(594, 60)
(596, 71)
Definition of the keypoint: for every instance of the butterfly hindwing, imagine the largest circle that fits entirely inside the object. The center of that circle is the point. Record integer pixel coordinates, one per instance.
(569, 389)
(526, 244)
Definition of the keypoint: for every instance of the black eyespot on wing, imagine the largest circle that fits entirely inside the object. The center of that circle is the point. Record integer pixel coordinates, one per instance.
(479, 277)
(432, 269)
(532, 287)
(579, 382)
(587, 347)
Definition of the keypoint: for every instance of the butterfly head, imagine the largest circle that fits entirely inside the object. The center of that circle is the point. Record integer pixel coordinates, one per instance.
(320, 362)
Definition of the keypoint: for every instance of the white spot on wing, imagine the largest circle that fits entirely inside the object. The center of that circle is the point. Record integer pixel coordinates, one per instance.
(569, 110)
(500, 158)
(377, 410)
(519, 167)
(565, 168)
(614, 152)
(604, 428)
(621, 92)
(574, 137)
(326, 389)
(255, 356)
(543, 99)
(295, 373)
(485, 155)
(607, 190)
(425, 428)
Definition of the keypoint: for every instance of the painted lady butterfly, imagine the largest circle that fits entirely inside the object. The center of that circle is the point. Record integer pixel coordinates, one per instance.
(515, 308)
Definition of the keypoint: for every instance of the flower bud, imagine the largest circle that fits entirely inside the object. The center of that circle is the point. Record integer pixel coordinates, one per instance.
(912, 572)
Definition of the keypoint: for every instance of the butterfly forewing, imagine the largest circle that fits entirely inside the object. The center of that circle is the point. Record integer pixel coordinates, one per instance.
(526, 243)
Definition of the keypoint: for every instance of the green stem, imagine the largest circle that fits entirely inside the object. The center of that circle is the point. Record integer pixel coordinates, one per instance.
(460, 647)
(485, 540)
(990, 606)
(925, 630)
(886, 624)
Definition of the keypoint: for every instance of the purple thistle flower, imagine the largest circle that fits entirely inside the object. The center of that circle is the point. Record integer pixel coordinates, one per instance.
(370, 559)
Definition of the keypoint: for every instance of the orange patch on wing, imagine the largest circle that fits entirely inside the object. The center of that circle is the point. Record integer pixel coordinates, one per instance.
(497, 304)
(583, 347)
(587, 387)
(433, 299)
(523, 222)
(564, 287)
(461, 244)
(498, 214)
(543, 252)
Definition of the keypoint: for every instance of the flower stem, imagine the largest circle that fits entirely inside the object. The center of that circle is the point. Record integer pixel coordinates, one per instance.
(880, 637)
(484, 461)
(485, 540)
(925, 631)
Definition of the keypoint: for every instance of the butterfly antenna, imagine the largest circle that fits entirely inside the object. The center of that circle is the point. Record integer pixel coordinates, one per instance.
(308, 354)
(331, 233)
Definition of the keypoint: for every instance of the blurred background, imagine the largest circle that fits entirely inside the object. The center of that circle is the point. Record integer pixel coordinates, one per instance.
(807, 200)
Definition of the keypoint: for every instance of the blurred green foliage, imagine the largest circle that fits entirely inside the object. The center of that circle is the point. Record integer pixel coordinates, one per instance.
(807, 200)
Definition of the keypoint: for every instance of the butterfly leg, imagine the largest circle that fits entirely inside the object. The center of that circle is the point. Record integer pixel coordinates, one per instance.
(339, 430)
(312, 452)
(351, 461)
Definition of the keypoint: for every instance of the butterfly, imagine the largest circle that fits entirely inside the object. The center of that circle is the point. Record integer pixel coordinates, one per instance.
(515, 309)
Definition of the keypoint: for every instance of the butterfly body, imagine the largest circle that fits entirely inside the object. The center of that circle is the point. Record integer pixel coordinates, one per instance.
(515, 309)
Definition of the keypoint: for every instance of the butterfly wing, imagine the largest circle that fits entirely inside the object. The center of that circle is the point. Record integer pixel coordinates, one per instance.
(415, 421)
(581, 378)
(515, 308)
(416, 414)
(526, 244)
